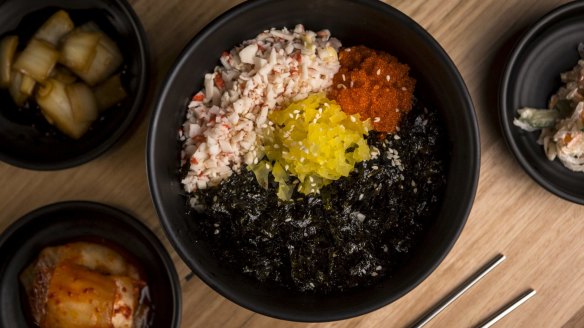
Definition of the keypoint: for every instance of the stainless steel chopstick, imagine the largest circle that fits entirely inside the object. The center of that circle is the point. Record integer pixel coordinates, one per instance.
(461, 289)
(507, 309)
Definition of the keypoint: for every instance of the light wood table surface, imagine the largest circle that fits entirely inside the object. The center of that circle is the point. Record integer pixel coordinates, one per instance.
(541, 234)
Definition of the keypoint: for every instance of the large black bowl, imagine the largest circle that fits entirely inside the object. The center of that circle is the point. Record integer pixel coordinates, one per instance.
(26, 139)
(60, 223)
(532, 75)
(354, 22)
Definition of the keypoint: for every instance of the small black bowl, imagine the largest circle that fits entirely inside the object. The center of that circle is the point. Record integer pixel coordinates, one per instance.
(60, 223)
(354, 22)
(531, 77)
(26, 139)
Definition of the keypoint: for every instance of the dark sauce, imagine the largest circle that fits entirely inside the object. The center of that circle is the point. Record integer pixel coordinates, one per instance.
(359, 230)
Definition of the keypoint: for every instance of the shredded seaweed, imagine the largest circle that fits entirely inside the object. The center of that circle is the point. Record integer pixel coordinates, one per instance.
(358, 230)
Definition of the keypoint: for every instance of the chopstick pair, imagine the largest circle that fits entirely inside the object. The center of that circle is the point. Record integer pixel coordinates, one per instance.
(466, 285)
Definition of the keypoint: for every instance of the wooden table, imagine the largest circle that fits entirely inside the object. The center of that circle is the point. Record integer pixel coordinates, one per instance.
(540, 233)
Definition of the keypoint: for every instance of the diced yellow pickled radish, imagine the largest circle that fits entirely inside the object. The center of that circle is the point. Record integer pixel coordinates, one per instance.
(313, 141)
(261, 171)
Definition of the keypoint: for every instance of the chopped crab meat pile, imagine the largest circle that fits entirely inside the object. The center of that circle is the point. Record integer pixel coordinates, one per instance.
(263, 74)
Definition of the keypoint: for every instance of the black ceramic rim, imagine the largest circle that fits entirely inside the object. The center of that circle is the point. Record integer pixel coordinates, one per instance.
(92, 154)
(113, 212)
(470, 187)
(504, 112)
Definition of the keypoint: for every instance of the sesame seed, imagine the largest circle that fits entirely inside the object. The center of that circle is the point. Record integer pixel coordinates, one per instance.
(387, 77)
(286, 167)
(396, 137)
(404, 89)
(353, 119)
(378, 268)
(216, 231)
(377, 119)
(375, 167)
(288, 220)
(361, 197)
(379, 71)
(374, 274)
(344, 79)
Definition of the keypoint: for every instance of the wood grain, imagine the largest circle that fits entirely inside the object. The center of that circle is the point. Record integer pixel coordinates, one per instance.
(540, 233)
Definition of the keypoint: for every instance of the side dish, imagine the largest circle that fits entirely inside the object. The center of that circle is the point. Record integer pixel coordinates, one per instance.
(311, 165)
(66, 70)
(562, 123)
(85, 284)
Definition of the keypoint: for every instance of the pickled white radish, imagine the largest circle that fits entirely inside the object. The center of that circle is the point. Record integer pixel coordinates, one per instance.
(37, 60)
(8, 47)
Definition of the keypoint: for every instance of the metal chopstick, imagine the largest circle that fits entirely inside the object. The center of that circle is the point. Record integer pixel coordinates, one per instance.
(507, 309)
(461, 289)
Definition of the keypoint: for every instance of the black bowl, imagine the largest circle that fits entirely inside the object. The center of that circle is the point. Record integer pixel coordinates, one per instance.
(532, 75)
(26, 139)
(354, 22)
(60, 223)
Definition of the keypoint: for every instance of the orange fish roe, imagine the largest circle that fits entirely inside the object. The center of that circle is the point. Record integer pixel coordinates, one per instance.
(375, 85)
